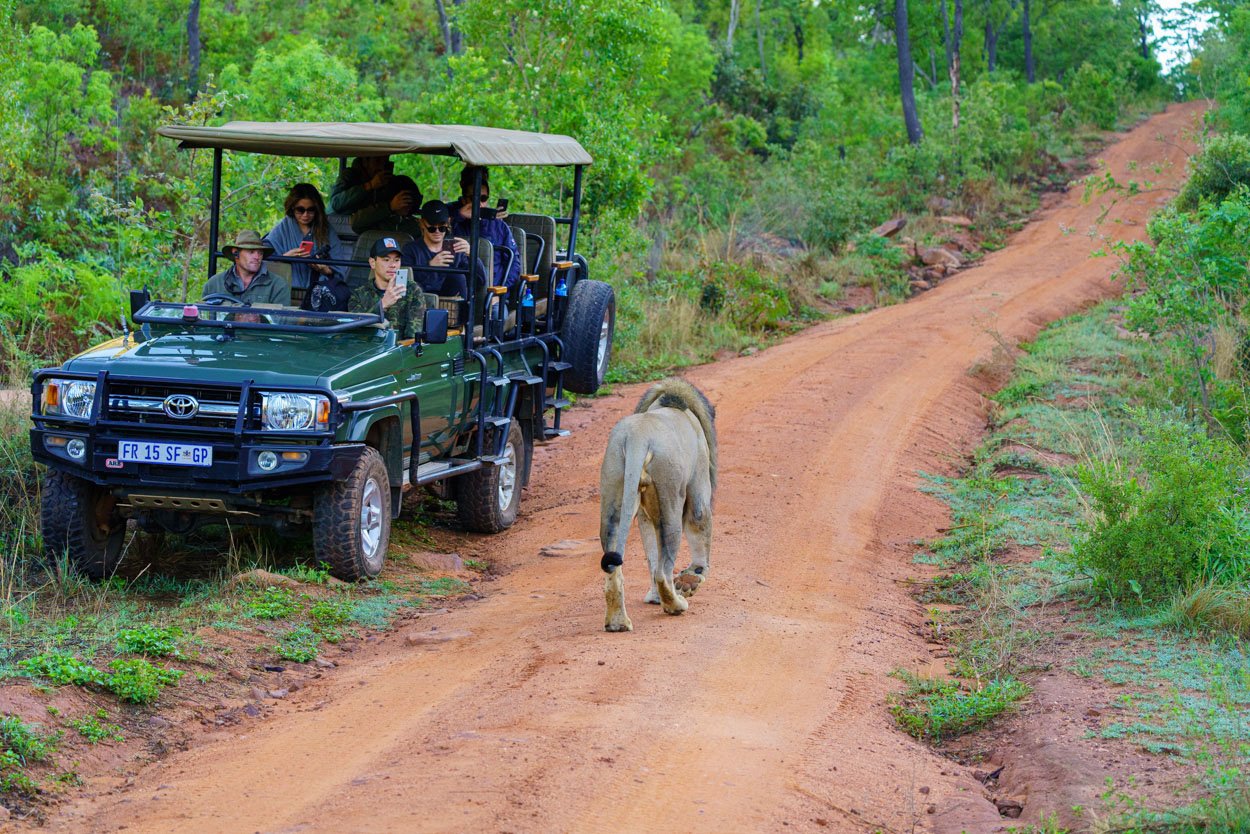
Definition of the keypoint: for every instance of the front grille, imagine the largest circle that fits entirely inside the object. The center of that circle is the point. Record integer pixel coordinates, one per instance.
(143, 403)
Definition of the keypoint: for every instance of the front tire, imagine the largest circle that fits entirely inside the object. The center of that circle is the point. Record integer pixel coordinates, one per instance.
(79, 520)
(352, 520)
(587, 335)
(487, 499)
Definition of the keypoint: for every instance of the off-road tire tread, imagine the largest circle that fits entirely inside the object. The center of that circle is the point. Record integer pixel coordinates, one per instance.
(476, 506)
(580, 334)
(336, 517)
(63, 516)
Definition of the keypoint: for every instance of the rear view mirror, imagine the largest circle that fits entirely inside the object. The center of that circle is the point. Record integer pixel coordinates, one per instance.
(434, 327)
(137, 299)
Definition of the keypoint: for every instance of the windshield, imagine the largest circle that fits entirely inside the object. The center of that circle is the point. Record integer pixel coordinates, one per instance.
(251, 317)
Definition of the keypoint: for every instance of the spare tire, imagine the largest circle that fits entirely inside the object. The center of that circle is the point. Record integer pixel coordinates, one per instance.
(587, 335)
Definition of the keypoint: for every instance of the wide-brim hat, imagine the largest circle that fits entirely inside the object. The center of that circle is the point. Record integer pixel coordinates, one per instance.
(246, 240)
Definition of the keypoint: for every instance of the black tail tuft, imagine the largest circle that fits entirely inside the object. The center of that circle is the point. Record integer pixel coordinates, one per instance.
(610, 562)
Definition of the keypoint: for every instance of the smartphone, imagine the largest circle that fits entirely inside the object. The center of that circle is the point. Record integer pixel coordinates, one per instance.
(403, 276)
(306, 247)
(502, 205)
(449, 245)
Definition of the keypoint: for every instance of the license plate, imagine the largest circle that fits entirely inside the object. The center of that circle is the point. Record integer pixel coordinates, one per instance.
(166, 454)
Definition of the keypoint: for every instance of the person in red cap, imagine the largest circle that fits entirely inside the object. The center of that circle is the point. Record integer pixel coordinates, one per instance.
(402, 306)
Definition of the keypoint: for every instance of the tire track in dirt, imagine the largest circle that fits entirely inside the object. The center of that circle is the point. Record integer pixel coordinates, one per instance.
(762, 706)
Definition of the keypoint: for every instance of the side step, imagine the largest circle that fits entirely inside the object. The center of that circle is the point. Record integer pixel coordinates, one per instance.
(436, 470)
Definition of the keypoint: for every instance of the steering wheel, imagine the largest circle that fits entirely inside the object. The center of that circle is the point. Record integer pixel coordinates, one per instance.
(217, 298)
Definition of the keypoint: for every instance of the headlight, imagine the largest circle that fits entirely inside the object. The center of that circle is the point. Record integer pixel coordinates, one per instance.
(68, 397)
(294, 412)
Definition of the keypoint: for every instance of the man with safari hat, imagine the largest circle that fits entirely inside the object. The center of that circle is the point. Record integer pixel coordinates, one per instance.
(247, 280)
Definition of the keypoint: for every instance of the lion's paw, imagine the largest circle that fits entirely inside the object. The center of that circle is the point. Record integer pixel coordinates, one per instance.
(687, 582)
(623, 624)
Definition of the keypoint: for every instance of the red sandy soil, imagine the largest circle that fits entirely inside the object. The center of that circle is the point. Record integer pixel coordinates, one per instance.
(763, 707)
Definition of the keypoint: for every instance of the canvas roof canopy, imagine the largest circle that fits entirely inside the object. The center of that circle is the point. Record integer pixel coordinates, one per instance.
(473, 145)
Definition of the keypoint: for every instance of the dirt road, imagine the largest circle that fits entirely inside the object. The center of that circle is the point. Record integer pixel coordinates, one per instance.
(762, 709)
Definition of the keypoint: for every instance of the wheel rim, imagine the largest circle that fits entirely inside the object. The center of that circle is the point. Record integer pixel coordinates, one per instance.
(371, 521)
(507, 477)
(605, 340)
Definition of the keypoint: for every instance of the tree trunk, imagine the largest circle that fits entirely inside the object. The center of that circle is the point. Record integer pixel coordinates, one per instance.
(759, 40)
(796, 18)
(451, 35)
(193, 48)
(991, 45)
(1143, 28)
(906, 73)
(946, 35)
(735, 8)
(956, 40)
(1029, 73)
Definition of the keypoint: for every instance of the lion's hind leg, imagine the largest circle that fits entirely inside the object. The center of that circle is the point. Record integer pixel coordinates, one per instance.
(662, 569)
(698, 527)
(614, 594)
(650, 546)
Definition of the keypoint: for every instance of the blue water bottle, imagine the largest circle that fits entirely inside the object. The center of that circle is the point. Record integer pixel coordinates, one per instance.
(527, 306)
(561, 293)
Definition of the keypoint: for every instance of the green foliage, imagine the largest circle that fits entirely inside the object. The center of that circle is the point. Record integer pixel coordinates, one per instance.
(22, 744)
(301, 77)
(1218, 172)
(298, 644)
(52, 306)
(133, 679)
(749, 299)
(1093, 96)
(95, 728)
(1174, 518)
(137, 681)
(63, 668)
(329, 615)
(273, 603)
(934, 709)
(150, 640)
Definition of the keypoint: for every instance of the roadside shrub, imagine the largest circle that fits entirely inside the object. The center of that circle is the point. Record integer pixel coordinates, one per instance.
(62, 668)
(273, 603)
(845, 209)
(1175, 518)
(1218, 171)
(1092, 95)
(20, 745)
(52, 307)
(139, 682)
(150, 640)
(298, 645)
(935, 709)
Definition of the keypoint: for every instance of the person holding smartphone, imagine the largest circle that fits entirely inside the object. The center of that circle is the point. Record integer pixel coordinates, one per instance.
(491, 225)
(437, 247)
(402, 306)
(304, 232)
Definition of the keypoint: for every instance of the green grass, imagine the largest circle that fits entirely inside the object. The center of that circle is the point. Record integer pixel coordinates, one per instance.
(298, 644)
(272, 603)
(22, 745)
(1178, 670)
(936, 710)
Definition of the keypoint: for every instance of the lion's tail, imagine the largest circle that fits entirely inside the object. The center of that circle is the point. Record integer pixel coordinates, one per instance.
(616, 526)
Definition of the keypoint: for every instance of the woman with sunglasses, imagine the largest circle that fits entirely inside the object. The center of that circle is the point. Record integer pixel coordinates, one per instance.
(436, 247)
(304, 232)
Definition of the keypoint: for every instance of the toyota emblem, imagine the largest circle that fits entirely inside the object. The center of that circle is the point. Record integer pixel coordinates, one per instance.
(181, 406)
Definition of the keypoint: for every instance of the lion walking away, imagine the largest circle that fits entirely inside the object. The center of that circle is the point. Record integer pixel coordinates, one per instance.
(660, 465)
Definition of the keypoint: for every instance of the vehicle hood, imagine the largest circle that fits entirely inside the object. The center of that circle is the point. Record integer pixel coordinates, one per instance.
(277, 358)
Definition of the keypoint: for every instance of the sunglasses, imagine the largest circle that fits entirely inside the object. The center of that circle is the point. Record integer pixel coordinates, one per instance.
(304, 209)
(439, 228)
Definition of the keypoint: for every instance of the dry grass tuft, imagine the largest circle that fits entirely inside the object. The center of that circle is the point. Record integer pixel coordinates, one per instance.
(1213, 608)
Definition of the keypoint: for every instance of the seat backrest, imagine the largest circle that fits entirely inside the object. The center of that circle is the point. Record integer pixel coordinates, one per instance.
(522, 250)
(486, 254)
(357, 275)
(342, 226)
(538, 262)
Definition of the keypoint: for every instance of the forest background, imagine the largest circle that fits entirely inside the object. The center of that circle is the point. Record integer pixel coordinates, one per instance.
(741, 147)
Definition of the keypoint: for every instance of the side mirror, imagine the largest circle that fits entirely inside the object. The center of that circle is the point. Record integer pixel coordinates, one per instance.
(434, 327)
(137, 299)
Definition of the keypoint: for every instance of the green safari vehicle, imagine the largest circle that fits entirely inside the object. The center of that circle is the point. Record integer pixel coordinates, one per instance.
(216, 412)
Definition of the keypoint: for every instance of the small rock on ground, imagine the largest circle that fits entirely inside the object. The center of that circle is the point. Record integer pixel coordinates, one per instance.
(264, 579)
(450, 562)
